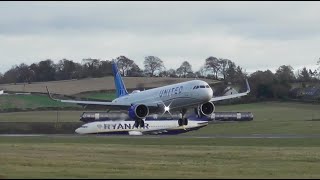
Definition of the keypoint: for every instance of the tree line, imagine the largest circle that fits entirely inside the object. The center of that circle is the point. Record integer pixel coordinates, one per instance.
(264, 84)
(65, 69)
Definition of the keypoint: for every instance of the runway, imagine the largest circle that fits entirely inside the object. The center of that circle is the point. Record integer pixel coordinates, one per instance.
(257, 136)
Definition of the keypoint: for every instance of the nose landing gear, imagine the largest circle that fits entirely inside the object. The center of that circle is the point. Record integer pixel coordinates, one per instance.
(182, 121)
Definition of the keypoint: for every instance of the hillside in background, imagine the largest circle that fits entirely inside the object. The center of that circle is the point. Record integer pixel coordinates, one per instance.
(72, 87)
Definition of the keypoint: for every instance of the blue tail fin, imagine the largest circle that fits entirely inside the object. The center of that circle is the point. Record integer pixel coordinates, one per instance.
(120, 87)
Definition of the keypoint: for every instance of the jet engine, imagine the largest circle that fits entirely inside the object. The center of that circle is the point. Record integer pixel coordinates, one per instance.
(138, 111)
(205, 109)
(135, 133)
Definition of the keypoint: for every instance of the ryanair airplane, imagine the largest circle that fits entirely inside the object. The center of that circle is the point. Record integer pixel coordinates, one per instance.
(153, 125)
(179, 97)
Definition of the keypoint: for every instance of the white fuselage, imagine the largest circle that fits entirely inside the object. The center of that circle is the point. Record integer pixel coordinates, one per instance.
(151, 126)
(180, 95)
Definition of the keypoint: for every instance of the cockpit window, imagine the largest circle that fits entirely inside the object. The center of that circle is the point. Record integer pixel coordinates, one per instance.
(84, 126)
(207, 86)
(197, 87)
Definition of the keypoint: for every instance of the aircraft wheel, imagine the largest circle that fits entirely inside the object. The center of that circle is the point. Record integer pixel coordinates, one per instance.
(185, 121)
(141, 123)
(136, 123)
(180, 122)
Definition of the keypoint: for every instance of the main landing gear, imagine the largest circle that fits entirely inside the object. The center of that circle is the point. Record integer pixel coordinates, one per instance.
(139, 122)
(183, 122)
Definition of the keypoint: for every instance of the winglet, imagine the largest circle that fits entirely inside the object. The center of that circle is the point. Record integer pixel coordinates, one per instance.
(248, 87)
(50, 94)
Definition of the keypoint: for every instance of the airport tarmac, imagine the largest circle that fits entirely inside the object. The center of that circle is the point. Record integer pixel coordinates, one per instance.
(284, 136)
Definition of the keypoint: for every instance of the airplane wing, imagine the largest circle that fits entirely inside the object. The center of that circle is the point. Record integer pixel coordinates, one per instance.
(106, 104)
(219, 98)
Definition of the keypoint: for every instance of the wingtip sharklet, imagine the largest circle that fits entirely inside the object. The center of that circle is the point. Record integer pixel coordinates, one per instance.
(50, 94)
(248, 86)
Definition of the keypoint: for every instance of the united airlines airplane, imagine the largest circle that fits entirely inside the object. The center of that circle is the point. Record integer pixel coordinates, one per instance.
(176, 97)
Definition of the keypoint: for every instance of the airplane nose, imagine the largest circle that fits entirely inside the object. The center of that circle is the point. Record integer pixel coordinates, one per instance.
(207, 94)
(78, 131)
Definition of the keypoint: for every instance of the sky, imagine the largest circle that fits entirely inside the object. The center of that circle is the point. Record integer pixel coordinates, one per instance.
(254, 35)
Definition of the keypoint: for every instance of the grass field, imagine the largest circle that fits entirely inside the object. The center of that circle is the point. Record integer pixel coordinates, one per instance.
(269, 118)
(41, 116)
(170, 157)
(39, 101)
(98, 95)
(29, 101)
(174, 156)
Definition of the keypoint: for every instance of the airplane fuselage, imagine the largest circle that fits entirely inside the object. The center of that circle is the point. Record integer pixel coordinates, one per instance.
(180, 95)
(151, 127)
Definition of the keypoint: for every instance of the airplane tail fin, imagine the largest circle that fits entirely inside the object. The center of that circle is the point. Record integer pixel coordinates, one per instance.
(120, 87)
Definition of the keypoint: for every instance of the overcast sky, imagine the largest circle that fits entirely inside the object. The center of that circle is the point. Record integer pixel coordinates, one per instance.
(255, 35)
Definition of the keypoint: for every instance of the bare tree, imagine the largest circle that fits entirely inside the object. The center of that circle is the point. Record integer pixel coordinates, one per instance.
(304, 75)
(11, 75)
(179, 72)
(124, 64)
(185, 68)
(201, 72)
(285, 74)
(224, 64)
(46, 70)
(24, 73)
(153, 64)
(169, 73)
(213, 64)
(91, 66)
(135, 71)
(65, 69)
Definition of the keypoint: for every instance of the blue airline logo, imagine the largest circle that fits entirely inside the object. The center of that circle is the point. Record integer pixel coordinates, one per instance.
(171, 91)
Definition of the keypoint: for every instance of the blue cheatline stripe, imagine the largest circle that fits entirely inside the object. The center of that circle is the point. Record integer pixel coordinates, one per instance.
(120, 87)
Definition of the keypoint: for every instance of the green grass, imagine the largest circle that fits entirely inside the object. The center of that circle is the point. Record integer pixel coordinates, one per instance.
(132, 157)
(95, 140)
(29, 101)
(174, 156)
(102, 96)
(269, 118)
(41, 116)
(39, 101)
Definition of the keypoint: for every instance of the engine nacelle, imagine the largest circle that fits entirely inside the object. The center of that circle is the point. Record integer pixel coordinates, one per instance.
(138, 111)
(206, 109)
(135, 133)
